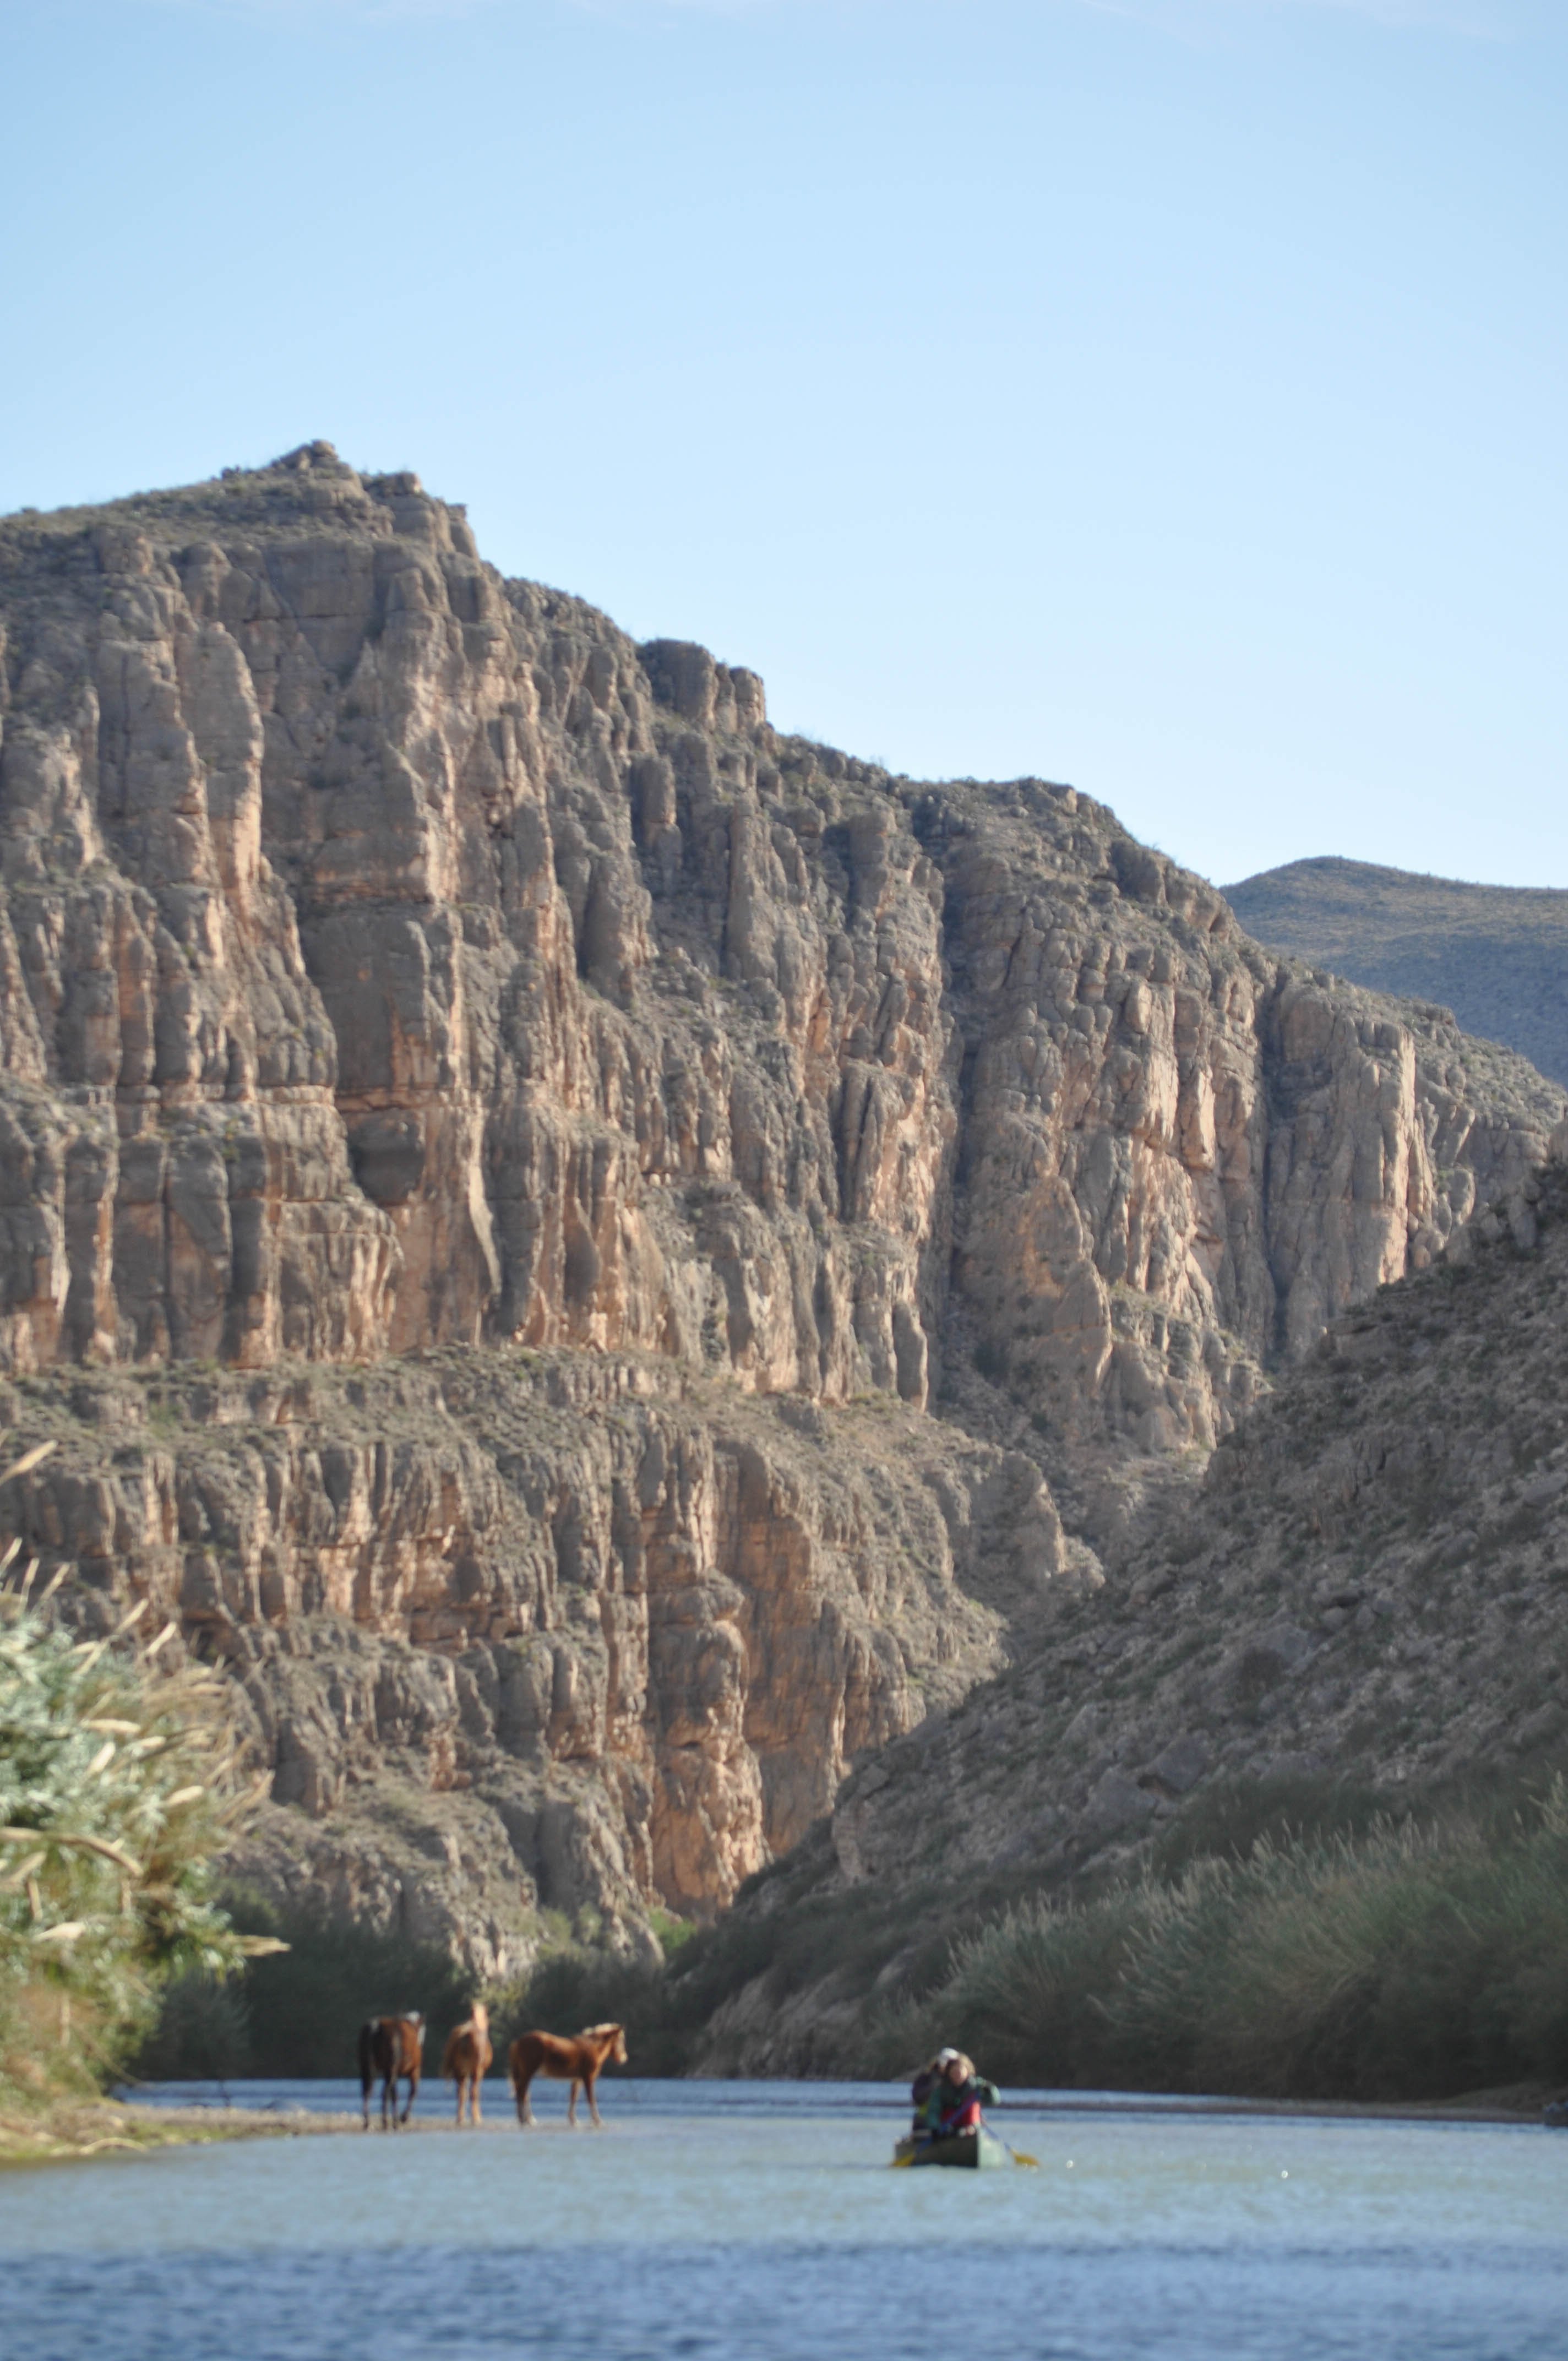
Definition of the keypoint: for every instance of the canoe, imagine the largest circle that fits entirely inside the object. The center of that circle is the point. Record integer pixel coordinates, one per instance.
(983, 2153)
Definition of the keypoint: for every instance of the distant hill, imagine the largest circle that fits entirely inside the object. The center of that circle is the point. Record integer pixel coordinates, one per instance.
(1497, 955)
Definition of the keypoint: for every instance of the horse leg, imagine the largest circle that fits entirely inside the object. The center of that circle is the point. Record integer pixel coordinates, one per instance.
(387, 2095)
(524, 2108)
(475, 2114)
(413, 2094)
(593, 2104)
(460, 2089)
(572, 2105)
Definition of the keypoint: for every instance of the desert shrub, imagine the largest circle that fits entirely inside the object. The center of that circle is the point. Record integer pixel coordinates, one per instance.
(1024, 1995)
(672, 1934)
(1227, 1818)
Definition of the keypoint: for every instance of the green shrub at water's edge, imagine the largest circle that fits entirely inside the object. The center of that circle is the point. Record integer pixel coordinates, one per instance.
(118, 1787)
(1285, 1939)
(570, 1989)
(202, 2034)
(1405, 1962)
(297, 2013)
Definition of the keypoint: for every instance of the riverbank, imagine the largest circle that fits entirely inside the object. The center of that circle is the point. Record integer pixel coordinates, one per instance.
(72, 2128)
(118, 1786)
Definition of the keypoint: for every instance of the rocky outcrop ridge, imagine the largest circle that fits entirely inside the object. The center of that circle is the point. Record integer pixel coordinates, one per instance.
(397, 959)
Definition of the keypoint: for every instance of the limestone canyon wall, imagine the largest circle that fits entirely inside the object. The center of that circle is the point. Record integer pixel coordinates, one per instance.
(518, 1634)
(396, 960)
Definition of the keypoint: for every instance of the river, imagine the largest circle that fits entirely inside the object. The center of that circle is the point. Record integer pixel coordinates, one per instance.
(760, 2221)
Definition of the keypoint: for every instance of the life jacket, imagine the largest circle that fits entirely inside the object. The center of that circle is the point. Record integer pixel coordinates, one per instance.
(959, 2110)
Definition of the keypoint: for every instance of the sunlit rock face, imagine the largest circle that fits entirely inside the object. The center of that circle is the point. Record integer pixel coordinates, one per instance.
(394, 958)
(517, 1633)
(394, 955)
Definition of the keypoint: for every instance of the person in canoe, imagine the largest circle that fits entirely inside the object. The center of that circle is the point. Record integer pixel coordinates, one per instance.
(925, 2095)
(947, 2097)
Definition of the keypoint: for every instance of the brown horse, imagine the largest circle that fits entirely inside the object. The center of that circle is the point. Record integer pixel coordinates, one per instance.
(466, 2058)
(391, 2048)
(578, 2059)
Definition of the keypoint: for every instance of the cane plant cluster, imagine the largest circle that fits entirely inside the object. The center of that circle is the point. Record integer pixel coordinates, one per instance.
(1409, 1960)
(118, 1786)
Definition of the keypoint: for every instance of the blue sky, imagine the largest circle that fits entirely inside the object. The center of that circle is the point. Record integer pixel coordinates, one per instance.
(1168, 396)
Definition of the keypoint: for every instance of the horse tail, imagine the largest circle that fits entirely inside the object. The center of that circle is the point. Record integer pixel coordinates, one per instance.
(368, 2057)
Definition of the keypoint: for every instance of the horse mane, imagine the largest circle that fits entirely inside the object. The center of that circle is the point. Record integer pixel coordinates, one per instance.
(590, 2032)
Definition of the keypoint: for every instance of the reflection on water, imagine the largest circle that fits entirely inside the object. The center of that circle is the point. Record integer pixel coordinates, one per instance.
(760, 2223)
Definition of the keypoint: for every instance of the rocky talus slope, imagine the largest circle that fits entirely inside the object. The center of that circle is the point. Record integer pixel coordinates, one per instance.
(589, 1247)
(1371, 1583)
(1497, 955)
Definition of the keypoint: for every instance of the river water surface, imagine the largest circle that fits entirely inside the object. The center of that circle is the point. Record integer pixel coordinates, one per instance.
(760, 2221)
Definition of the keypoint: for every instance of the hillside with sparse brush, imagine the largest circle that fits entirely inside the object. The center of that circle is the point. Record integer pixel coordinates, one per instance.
(1497, 955)
(1360, 1620)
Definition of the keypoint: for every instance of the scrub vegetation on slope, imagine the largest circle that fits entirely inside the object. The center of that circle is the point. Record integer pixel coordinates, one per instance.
(1342, 1675)
(1497, 955)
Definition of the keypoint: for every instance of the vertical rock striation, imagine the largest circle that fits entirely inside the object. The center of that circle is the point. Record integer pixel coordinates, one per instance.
(396, 958)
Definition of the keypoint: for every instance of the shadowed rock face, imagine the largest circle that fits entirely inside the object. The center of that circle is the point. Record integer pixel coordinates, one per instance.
(1369, 1586)
(396, 958)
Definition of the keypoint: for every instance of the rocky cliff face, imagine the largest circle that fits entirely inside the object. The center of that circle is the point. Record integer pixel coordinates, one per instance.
(394, 958)
(522, 1634)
